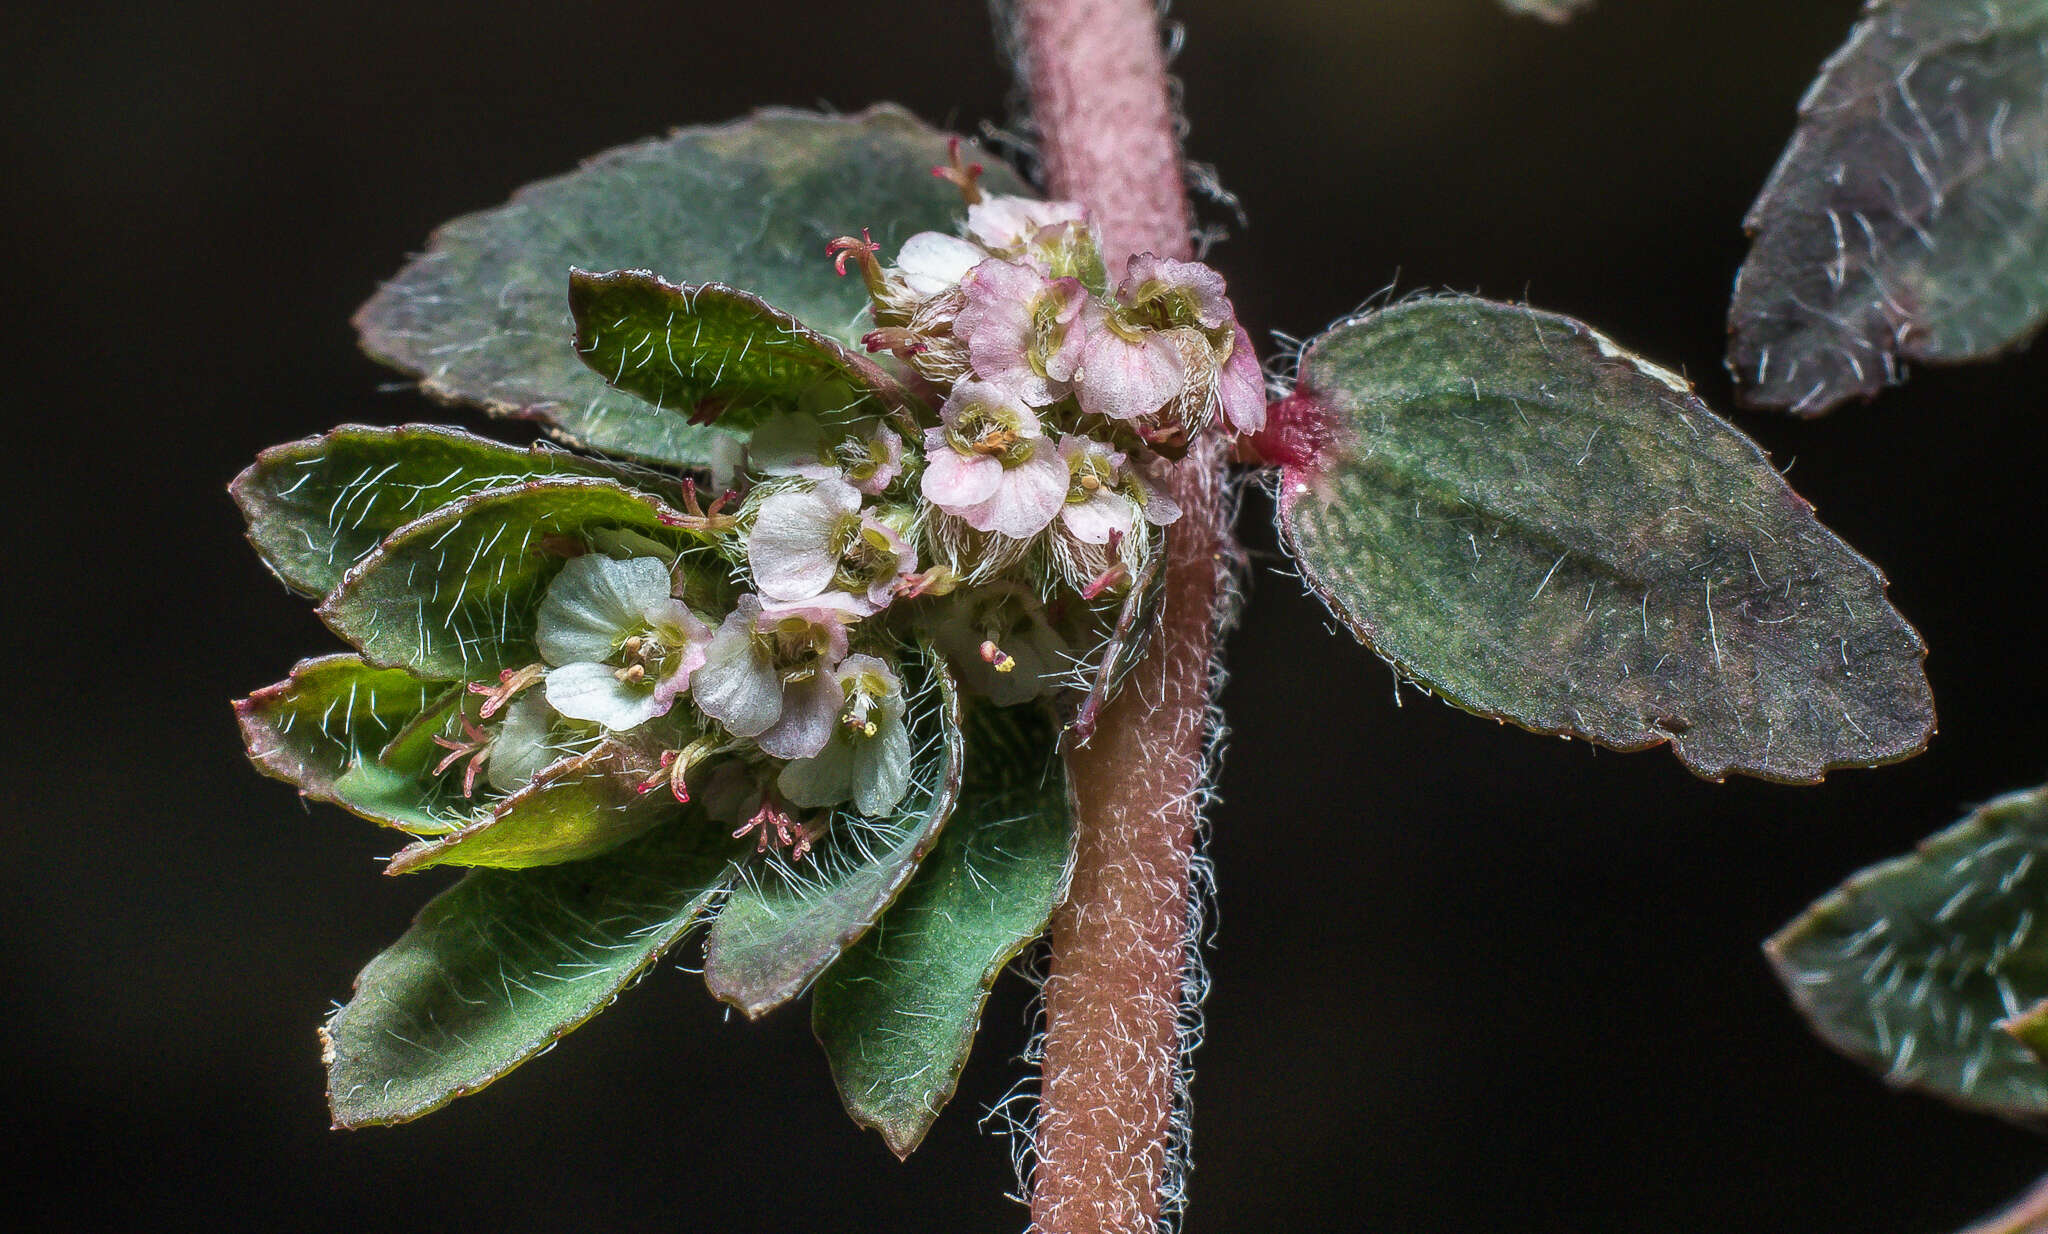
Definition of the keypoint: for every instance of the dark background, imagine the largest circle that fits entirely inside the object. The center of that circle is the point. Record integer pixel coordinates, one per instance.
(1466, 979)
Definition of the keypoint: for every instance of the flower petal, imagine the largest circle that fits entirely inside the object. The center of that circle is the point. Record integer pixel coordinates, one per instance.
(1242, 387)
(1030, 497)
(594, 692)
(596, 603)
(810, 709)
(825, 779)
(520, 748)
(953, 481)
(881, 765)
(790, 546)
(736, 685)
(932, 261)
(1128, 380)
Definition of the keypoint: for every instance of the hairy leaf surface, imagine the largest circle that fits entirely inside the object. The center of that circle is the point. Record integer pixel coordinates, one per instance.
(1908, 219)
(898, 1012)
(333, 714)
(1911, 965)
(483, 316)
(577, 808)
(790, 919)
(711, 351)
(316, 507)
(454, 594)
(1554, 11)
(1542, 528)
(504, 963)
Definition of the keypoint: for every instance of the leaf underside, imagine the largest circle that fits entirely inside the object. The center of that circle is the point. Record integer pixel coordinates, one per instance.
(1542, 528)
(455, 593)
(482, 317)
(788, 921)
(504, 963)
(1906, 220)
(712, 351)
(1911, 965)
(331, 715)
(316, 507)
(898, 1012)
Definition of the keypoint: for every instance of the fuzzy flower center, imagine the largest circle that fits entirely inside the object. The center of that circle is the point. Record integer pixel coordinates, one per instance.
(987, 429)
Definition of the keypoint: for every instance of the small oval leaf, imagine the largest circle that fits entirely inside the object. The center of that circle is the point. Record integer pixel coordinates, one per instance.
(575, 809)
(483, 316)
(1542, 528)
(316, 507)
(1912, 965)
(898, 1012)
(712, 352)
(454, 594)
(504, 963)
(785, 923)
(333, 714)
(1905, 220)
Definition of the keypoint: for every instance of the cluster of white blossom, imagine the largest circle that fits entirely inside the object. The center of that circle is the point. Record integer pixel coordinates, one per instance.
(1001, 518)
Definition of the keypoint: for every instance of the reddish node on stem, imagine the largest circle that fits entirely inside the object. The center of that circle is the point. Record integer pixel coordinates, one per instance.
(1299, 434)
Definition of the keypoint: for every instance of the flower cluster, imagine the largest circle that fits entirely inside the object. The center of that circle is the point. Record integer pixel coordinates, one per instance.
(1002, 513)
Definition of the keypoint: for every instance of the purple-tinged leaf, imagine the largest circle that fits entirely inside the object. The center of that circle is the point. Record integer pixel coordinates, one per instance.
(1540, 527)
(1906, 221)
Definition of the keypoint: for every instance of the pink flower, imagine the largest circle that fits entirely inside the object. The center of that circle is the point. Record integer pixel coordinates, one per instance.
(768, 673)
(1181, 293)
(991, 465)
(1127, 372)
(1022, 329)
(1242, 387)
(866, 455)
(1105, 495)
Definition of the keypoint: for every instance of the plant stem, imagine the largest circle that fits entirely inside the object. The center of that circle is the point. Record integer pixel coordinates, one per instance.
(1097, 77)
(2028, 1216)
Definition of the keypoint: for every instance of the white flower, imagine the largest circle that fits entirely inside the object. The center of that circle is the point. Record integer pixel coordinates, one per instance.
(932, 261)
(1007, 224)
(867, 758)
(768, 672)
(805, 542)
(1022, 329)
(623, 647)
(990, 464)
(1001, 644)
(868, 456)
(520, 749)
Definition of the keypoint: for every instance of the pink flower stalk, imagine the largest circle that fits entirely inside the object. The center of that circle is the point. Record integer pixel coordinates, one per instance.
(1022, 329)
(990, 464)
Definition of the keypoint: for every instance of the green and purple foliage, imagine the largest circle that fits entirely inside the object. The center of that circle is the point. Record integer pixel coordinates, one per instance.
(863, 518)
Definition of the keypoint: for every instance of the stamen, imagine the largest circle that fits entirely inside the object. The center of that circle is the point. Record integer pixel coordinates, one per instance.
(996, 657)
(964, 176)
(510, 682)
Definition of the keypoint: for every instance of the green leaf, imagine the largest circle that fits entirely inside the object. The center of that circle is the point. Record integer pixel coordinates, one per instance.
(1543, 528)
(1911, 965)
(400, 786)
(2030, 1029)
(575, 809)
(898, 1012)
(482, 317)
(787, 922)
(316, 507)
(455, 593)
(1905, 220)
(1554, 11)
(712, 351)
(500, 966)
(332, 714)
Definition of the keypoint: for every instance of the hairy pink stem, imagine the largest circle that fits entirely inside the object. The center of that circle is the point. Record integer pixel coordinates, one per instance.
(1097, 77)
